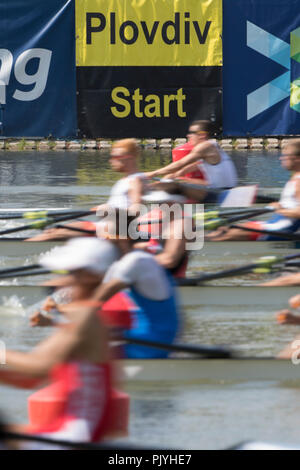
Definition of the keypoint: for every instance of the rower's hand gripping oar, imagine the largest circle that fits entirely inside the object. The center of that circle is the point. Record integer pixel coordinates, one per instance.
(262, 266)
(40, 224)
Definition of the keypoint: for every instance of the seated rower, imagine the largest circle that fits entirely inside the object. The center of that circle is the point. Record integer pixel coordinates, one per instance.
(126, 193)
(168, 240)
(287, 210)
(150, 288)
(205, 156)
(86, 259)
(75, 359)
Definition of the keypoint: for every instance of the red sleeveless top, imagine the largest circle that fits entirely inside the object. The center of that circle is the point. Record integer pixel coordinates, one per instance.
(181, 151)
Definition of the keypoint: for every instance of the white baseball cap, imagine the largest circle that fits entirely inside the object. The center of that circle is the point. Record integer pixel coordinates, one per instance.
(87, 253)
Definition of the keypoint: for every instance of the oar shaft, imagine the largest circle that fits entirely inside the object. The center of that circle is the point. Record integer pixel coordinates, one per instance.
(275, 234)
(235, 271)
(37, 214)
(35, 272)
(202, 350)
(19, 269)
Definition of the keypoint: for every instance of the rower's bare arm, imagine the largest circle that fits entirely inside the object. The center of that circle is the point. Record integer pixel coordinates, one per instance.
(195, 155)
(39, 361)
(59, 233)
(293, 213)
(108, 289)
(285, 317)
(209, 152)
(174, 247)
(136, 190)
(289, 280)
(188, 169)
(173, 252)
(294, 301)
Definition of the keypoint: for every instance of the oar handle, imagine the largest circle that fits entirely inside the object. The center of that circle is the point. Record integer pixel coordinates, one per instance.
(76, 229)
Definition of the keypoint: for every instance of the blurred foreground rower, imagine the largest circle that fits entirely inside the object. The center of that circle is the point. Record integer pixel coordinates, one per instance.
(75, 359)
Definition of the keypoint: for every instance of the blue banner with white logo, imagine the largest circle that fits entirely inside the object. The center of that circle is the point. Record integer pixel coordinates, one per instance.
(261, 71)
(37, 68)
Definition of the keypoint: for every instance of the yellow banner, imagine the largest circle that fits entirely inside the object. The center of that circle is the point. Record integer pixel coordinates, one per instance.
(148, 32)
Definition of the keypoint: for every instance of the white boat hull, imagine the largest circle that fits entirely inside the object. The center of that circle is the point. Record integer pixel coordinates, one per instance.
(221, 251)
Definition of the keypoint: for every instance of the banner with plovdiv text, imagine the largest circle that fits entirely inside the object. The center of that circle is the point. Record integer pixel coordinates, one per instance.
(147, 68)
(37, 68)
(261, 74)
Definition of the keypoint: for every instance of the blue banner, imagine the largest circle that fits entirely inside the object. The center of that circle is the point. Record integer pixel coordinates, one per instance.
(37, 68)
(261, 71)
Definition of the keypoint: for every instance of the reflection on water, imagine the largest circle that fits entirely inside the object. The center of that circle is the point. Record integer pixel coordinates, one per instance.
(68, 178)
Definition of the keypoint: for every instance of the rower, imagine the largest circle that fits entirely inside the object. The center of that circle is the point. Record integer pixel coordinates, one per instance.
(168, 238)
(128, 191)
(73, 257)
(287, 210)
(125, 194)
(153, 313)
(150, 288)
(75, 359)
(205, 156)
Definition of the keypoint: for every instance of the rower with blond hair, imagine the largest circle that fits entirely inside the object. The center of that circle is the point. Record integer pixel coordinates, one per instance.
(126, 193)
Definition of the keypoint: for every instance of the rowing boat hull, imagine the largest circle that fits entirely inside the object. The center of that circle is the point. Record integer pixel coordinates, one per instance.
(207, 370)
(213, 250)
(241, 296)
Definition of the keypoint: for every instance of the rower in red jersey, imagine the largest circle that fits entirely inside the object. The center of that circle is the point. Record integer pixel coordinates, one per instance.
(206, 164)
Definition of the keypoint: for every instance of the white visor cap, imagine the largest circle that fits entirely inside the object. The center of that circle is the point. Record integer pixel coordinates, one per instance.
(87, 253)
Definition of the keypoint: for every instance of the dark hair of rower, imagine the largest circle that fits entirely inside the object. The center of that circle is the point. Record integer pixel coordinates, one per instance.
(204, 126)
